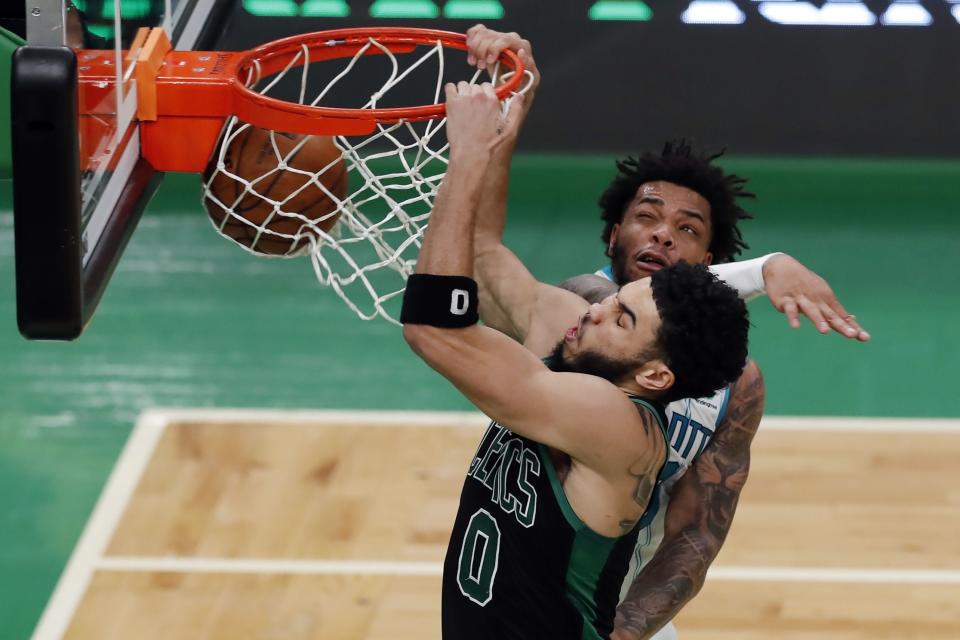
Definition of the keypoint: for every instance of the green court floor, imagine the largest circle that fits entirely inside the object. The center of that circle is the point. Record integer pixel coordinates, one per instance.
(190, 320)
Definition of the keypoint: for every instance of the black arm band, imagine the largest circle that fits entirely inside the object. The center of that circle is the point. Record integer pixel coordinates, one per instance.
(449, 302)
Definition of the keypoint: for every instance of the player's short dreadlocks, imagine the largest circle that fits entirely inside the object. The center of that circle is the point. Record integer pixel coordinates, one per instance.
(680, 164)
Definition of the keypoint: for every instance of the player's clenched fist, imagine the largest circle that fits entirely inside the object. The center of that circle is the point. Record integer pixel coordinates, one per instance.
(475, 119)
(484, 47)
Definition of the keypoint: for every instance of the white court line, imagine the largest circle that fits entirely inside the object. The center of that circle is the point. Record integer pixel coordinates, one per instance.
(830, 574)
(846, 423)
(270, 566)
(311, 418)
(88, 555)
(388, 568)
(96, 535)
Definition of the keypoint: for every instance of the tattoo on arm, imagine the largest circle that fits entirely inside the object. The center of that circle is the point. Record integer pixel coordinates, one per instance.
(698, 517)
(641, 496)
(645, 471)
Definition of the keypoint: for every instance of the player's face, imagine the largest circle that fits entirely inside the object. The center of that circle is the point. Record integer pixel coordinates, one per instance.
(614, 337)
(663, 224)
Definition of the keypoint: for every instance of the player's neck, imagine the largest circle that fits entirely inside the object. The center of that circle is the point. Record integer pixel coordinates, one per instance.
(635, 390)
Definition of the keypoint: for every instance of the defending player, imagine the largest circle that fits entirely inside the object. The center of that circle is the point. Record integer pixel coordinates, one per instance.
(653, 221)
(536, 552)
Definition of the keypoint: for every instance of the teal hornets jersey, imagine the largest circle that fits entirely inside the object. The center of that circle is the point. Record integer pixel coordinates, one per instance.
(691, 424)
(520, 564)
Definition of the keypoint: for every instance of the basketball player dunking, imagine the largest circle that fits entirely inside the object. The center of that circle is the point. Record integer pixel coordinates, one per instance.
(539, 551)
(659, 210)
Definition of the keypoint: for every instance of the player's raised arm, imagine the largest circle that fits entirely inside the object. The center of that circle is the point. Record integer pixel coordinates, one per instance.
(793, 289)
(511, 299)
(504, 380)
(483, 47)
(508, 291)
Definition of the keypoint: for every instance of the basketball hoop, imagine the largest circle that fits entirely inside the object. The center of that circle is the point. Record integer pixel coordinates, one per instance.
(192, 105)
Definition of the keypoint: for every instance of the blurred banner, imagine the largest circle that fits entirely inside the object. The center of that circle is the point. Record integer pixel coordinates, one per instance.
(777, 77)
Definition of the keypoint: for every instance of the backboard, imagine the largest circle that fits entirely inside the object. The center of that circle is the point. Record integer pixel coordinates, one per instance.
(79, 182)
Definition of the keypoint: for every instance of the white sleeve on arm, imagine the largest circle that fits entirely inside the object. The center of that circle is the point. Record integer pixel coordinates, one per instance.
(746, 277)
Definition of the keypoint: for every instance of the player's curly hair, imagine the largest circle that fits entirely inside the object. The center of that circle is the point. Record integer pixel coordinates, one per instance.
(703, 330)
(680, 164)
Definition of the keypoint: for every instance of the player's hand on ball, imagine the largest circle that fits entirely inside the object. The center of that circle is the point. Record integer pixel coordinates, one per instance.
(794, 289)
(476, 122)
(484, 47)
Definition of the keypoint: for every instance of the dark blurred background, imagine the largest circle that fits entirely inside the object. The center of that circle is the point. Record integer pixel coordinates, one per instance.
(624, 74)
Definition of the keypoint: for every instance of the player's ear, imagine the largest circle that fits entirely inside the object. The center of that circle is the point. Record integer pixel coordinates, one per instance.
(613, 239)
(708, 259)
(655, 376)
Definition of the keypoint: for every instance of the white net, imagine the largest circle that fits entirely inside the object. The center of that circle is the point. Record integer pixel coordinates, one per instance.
(357, 205)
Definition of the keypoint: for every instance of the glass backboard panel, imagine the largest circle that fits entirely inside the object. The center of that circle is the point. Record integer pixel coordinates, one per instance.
(68, 244)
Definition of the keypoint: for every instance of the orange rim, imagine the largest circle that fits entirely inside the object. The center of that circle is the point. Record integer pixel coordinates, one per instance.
(342, 43)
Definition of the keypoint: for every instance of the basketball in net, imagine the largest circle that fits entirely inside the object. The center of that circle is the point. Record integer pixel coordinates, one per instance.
(353, 188)
(274, 192)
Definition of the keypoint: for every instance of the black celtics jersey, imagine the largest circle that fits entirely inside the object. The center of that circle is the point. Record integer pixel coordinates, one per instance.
(521, 564)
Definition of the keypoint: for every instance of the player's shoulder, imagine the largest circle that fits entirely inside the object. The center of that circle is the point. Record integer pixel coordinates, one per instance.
(750, 380)
(590, 286)
(746, 400)
(649, 410)
(616, 409)
(613, 429)
(653, 417)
